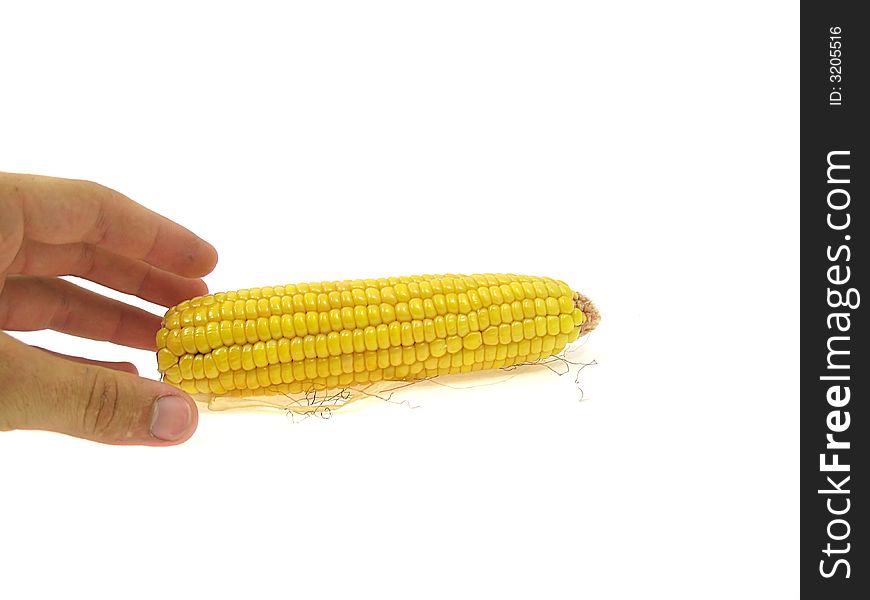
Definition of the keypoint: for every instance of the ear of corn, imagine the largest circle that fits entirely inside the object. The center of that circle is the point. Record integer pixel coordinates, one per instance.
(312, 336)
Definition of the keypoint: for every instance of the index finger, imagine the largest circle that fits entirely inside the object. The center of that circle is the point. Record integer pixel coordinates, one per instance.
(63, 211)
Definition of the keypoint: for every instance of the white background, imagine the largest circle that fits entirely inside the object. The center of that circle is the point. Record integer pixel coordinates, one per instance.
(646, 153)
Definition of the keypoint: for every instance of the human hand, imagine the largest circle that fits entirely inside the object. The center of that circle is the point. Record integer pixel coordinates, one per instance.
(51, 227)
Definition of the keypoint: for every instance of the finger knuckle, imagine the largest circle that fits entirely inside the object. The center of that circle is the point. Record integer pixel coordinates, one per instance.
(103, 412)
(63, 309)
(96, 196)
(86, 260)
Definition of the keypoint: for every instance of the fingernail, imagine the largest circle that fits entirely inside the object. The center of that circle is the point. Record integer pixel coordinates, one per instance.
(170, 419)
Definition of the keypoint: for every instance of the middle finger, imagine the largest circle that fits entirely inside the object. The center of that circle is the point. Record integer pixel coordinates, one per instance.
(32, 303)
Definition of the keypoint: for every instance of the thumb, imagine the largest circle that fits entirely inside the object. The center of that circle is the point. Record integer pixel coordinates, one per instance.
(39, 390)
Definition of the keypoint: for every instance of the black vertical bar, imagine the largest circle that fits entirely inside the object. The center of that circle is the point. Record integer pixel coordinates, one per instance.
(835, 224)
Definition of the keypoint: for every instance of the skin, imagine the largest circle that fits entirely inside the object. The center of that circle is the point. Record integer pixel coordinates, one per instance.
(51, 227)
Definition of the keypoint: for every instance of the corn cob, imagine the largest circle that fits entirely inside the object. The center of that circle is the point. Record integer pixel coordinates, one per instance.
(315, 336)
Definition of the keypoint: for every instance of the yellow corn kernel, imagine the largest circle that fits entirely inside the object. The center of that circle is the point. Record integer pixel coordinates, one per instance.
(333, 343)
(429, 311)
(312, 322)
(248, 357)
(172, 321)
(361, 317)
(173, 374)
(221, 359)
(450, 323)
(415, 308)
(388, 295)
(263, 377)
(483, 318)
(296, 350)
(417, 331)
(348, 321)
(407, 334)
(251, 333)
(199, 316)
(549, 342)
(310, 368)
(286, 373)
(239, 336)
(234, 357)
(440, 326)
(553, 325)
(309, 346)
(198, 370)
(187, 340)
(258, 353)
(471, 319)
(321, 348)
(402, 292)
(359, 340)
(388, 313)
(382, 333)
(275, 374)
(370, 337)
(209, 367)
(540, 326)
(523, 347)
(528, 328)
(472, 341)
(225, 330)
(507, 315)
(567, 323)
(173, 342)
(462, 328)
(489, 353)
(322, 367)
(429, 330)
(438, 347)
(161, 338)
(552, 306)
(299, 371)
(165, 359)
(345, 339)
(440, 304)
(272, 352)
(504, 333)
